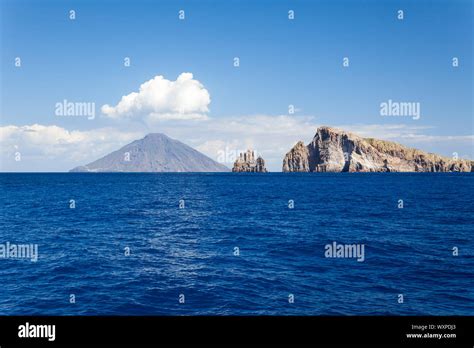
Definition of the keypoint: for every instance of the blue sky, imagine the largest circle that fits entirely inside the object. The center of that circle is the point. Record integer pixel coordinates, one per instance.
(282, 62)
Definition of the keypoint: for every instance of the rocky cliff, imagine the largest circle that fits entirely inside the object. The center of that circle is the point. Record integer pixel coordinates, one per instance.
(334, 150)
(247, 163)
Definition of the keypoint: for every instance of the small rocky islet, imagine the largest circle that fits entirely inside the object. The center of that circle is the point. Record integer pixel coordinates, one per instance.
(247, 163)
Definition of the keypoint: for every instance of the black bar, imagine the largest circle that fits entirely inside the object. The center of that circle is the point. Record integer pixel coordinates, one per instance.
(241, 330)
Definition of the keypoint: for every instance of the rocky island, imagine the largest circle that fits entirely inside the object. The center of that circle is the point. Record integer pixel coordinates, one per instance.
(154, 153)
(334, 150)
(248, 164)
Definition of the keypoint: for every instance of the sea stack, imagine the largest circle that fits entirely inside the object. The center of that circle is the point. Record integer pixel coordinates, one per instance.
(334, 150)
(247, 163)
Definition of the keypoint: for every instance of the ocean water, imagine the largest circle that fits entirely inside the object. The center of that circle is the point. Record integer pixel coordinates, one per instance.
(191, 251)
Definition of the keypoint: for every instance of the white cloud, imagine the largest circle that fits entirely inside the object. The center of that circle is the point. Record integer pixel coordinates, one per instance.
(385, 131)
(404, 133)
(222, 138)
(274, 136)
(151, 118)
(54, 148)
(159, 98)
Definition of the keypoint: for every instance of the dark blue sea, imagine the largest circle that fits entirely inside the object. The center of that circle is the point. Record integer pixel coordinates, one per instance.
(191, 251)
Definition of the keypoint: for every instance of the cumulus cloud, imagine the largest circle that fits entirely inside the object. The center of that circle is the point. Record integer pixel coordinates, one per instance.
(162, 99)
